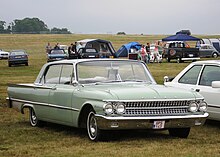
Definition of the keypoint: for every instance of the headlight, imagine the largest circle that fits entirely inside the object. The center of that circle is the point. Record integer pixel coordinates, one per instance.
(108, 108)
(193, 107)
(120, 108)
(203, 106)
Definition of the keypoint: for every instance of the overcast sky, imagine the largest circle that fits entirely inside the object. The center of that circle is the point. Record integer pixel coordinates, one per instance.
(112, 16)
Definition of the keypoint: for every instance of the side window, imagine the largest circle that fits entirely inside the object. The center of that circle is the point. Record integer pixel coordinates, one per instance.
(209, 74)
(66, 74)
(53, 74)
(191, 76)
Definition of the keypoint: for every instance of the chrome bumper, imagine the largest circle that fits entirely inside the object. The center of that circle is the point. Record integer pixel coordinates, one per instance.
(195, 58)
(117, 123)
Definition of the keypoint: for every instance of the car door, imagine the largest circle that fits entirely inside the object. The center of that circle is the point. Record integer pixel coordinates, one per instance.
(204, 51)
(60, 97)
(190, 78)
(209, 74)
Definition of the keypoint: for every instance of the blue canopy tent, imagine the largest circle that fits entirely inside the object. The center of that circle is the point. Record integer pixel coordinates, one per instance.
(180, 37)
(126, 49)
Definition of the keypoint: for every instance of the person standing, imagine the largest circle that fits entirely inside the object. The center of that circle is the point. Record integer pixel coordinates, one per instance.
(72, 51)
(148, 53)
(57, 46)
(143, 53)
(48, 48)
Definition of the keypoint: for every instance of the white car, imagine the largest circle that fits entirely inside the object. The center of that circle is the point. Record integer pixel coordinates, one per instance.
(4, 54)
(203, 77)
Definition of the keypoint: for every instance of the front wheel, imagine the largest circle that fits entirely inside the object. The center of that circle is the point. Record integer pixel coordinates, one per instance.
(215, 55)
(93, 131)
(34, 121)
(179, 132)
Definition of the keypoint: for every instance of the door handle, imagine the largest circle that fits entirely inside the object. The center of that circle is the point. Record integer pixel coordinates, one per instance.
(197, 90)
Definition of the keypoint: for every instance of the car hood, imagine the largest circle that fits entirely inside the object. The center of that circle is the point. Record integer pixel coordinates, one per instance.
(137, 91)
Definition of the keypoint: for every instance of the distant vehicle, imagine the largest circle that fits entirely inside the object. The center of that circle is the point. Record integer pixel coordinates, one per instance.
(207, 50)
(184, 32)
(17, 57)
(104, 47)
(203, 77)
(88, 53)
(56, 54)
(214, 41)
(180, 51)
(4, 54)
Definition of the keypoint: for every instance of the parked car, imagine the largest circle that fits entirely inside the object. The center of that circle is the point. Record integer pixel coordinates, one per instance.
(56, 54)
(107, 94)
(104, 47)
(203, 77)
(17, 57)
(207, 50)
(180, 51)
(88, 53)
(4, 54)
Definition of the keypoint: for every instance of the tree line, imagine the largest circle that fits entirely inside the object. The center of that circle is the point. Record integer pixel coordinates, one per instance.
(29, 26)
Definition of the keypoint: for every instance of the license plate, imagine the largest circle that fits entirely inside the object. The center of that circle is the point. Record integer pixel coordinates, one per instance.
(91, 56)
(158, 124)
(17, 57)
(190, 55)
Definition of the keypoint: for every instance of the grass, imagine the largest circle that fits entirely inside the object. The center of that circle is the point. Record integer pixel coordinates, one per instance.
(17, 138)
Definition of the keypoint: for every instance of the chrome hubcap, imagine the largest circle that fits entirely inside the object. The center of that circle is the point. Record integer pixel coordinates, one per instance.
(93, 126)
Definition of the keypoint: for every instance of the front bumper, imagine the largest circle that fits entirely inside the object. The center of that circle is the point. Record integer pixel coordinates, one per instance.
(118, 123)
(18, 61)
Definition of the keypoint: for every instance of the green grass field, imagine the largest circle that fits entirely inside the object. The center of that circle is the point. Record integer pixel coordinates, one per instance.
(18, 138)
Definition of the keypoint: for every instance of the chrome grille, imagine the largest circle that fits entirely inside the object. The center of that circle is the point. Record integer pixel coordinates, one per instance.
(157, 108)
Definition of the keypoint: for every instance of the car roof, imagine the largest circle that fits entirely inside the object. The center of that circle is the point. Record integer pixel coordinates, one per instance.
(207, 62)
(17, 51)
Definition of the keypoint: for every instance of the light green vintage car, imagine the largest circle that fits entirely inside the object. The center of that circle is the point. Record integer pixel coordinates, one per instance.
(107, 94)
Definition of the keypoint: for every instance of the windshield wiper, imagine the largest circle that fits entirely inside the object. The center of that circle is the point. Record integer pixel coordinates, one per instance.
(136, 80)
(109, 81)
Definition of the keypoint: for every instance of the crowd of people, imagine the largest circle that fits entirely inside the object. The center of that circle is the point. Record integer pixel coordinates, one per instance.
(146, 53)
(149, 54)
(72, 49)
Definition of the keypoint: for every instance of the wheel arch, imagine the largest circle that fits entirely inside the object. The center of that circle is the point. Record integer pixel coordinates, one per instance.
(26, 106)
(83, 115)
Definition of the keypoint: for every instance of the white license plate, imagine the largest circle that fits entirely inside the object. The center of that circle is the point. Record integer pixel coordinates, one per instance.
(91, 56)
(158, 124)
(190, 55)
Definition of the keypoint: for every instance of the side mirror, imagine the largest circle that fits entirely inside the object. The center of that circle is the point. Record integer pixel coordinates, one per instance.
(165, 79)
(215, 84)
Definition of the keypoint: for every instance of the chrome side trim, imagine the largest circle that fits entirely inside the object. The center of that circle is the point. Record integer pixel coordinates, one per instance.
(44, 104)
(214, 106)
(29, 86)
(147, 100)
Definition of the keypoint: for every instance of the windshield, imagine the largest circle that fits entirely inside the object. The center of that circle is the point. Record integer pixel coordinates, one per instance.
(17, 53)
(57, 52)
(112, 71)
